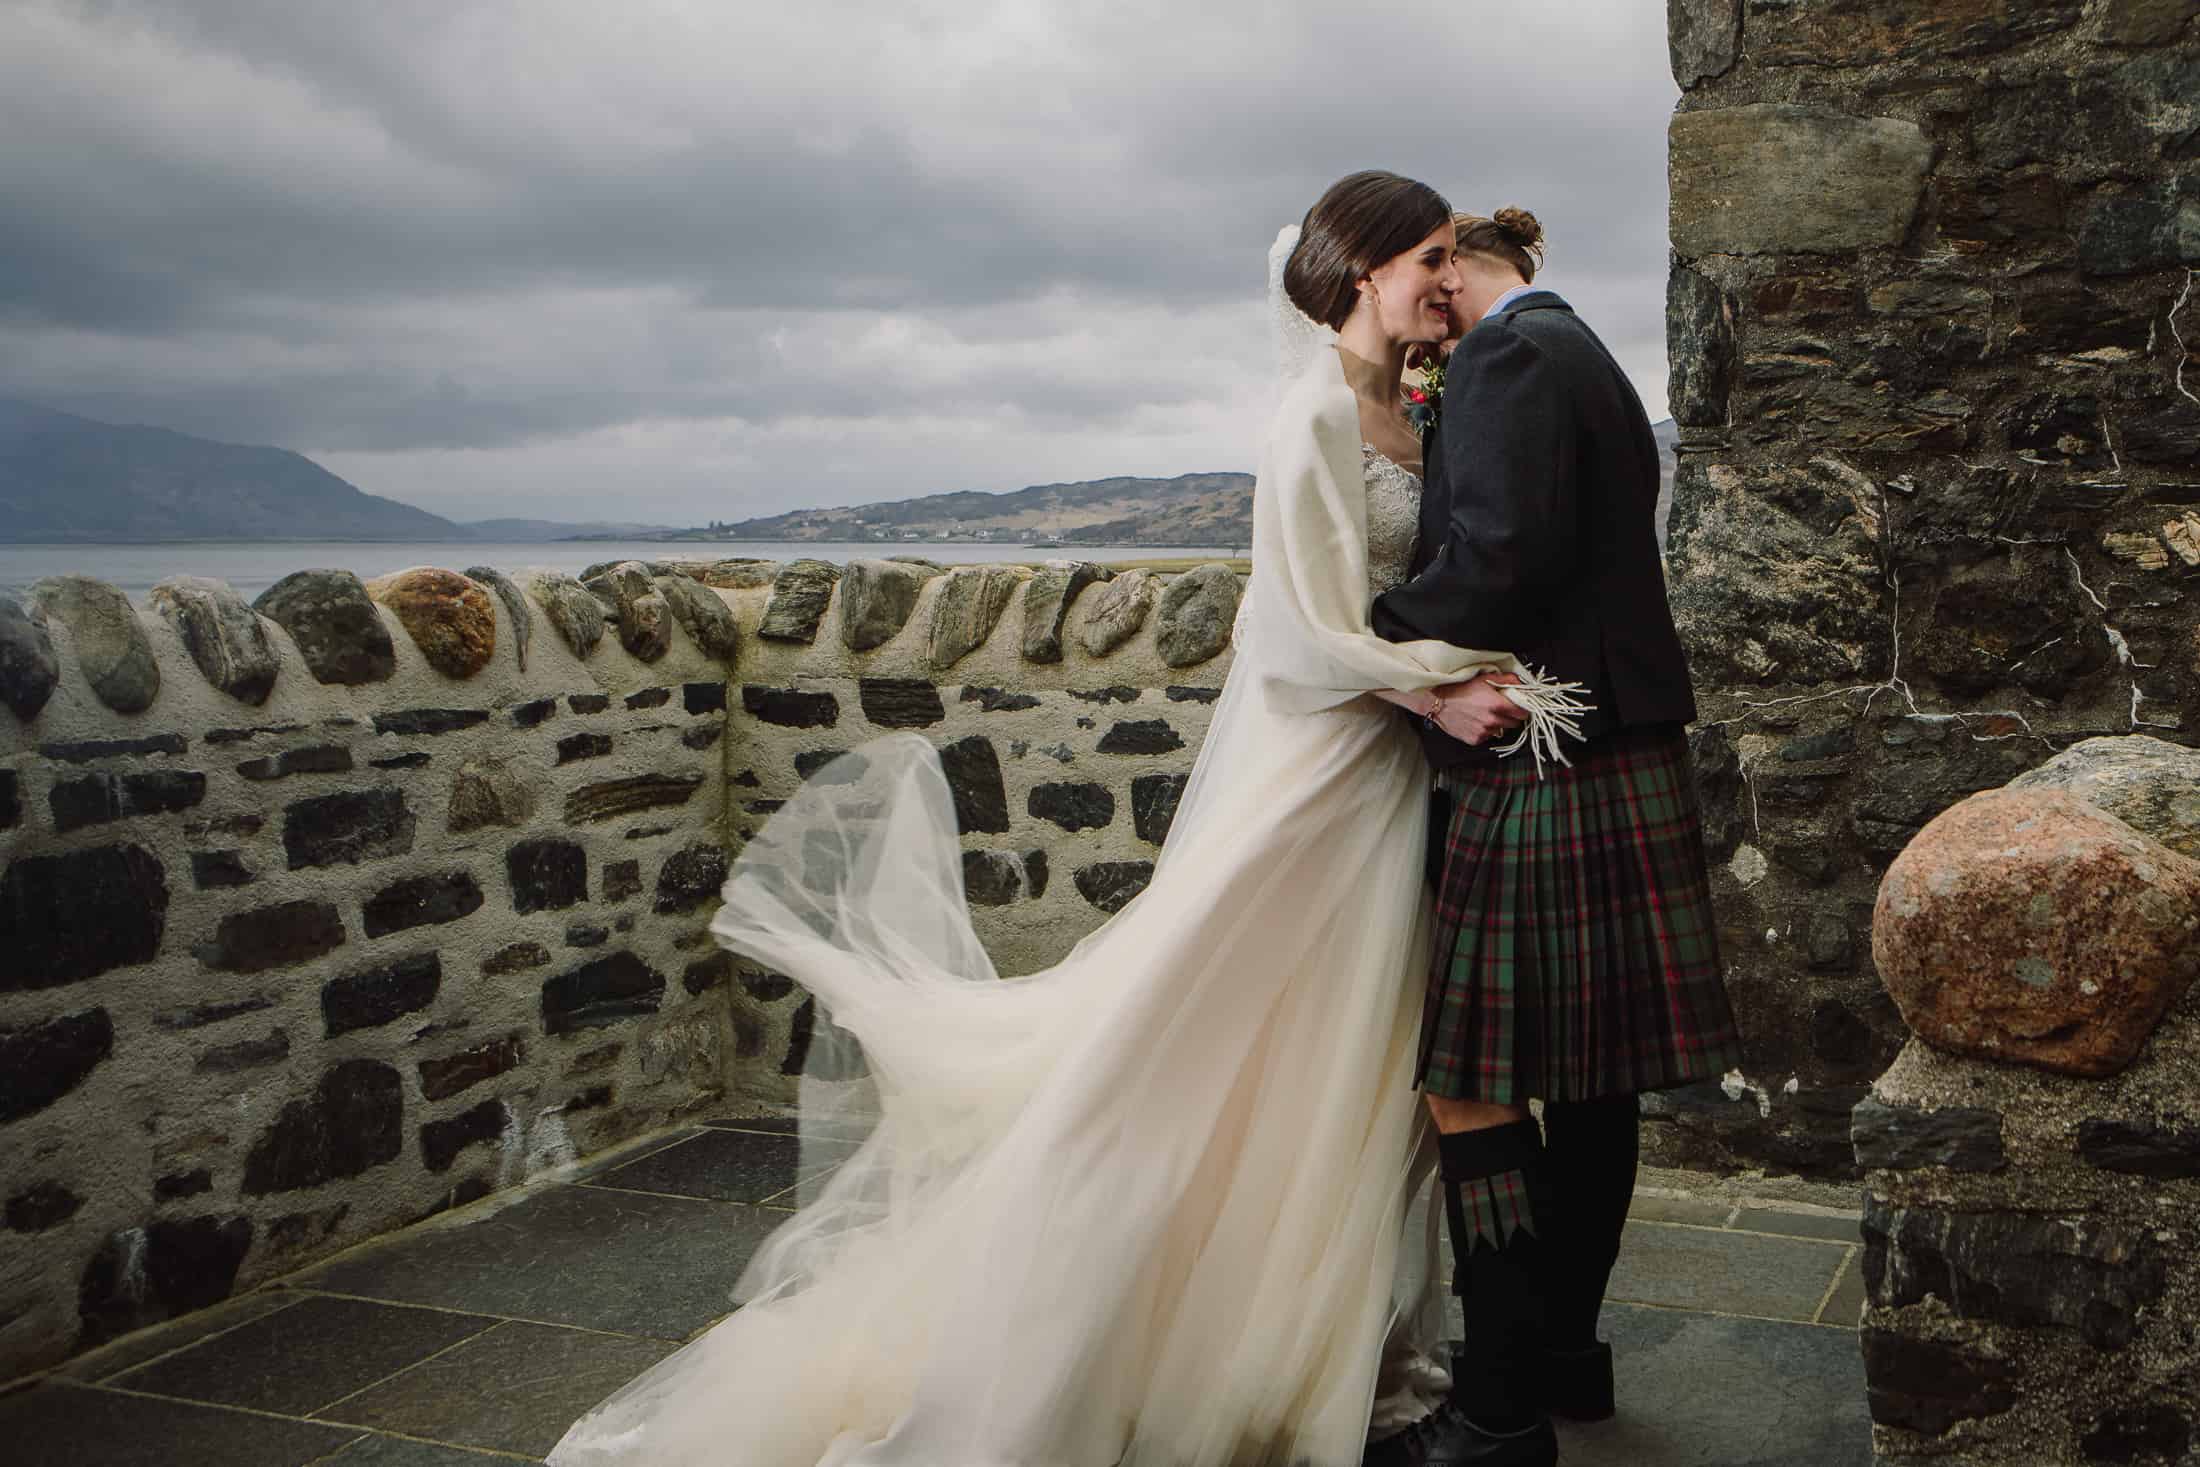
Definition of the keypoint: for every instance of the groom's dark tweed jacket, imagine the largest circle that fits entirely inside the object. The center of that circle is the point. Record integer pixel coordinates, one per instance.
(1538, 524)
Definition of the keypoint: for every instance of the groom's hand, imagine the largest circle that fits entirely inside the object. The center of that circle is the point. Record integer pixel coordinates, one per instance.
(1476, 711)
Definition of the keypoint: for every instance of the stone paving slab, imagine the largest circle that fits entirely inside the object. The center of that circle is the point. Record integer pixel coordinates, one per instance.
(768, 1125)
(1725, 1271)
(1845, 1308)
(515, 1388)
(60, 1424)
(722, 1166)
(615, 1157)
(298, 1360)
(1799, 1224)
(851, 1129)
(392, 1451)
(1694, 1211)
(627, 1262)
(136, 1349)
(1697, 1390)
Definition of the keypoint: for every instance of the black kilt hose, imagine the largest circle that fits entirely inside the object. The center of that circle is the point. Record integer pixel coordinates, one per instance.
(1575, 953)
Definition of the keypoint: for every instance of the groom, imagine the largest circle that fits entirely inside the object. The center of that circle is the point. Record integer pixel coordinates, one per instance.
(1576, 960)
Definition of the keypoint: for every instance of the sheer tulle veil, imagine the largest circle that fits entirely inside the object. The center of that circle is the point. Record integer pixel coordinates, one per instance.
(839, 1098)
(1296, 336)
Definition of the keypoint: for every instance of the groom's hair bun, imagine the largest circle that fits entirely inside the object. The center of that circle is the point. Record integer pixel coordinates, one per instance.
(1511, 234)
(1363, 220)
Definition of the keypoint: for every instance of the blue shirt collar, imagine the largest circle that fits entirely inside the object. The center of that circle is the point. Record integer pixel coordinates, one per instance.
(1508, 298)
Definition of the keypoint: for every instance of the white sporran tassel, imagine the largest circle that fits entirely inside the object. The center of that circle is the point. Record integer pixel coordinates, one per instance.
(1553, 708)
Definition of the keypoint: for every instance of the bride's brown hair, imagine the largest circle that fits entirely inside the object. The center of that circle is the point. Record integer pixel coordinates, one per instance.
(1511, 234)
(1363, 220)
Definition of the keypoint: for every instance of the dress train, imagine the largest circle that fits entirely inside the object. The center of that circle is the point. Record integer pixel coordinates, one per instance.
(1144, 1207)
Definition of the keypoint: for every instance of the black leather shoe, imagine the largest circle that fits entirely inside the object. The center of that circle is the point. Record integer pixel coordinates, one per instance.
(1577, 1384)
(1408, 1448)
(1454, 1441)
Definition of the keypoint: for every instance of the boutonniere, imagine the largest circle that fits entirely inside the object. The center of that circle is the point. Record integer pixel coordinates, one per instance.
(1425, 398)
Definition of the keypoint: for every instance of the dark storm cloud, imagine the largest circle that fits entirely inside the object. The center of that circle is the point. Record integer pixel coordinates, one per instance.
(414, 228)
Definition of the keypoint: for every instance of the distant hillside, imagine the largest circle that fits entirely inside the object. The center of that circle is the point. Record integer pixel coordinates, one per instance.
(1192, 509)
(69, 479)
(528, 532)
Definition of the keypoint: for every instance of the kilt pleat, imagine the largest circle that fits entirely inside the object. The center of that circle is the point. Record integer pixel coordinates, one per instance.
(1575, 950)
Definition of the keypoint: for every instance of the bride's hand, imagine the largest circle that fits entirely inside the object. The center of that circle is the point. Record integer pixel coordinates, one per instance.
(1477, 711)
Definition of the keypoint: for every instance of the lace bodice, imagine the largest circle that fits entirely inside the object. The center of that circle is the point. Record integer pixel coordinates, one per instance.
(1393, 520)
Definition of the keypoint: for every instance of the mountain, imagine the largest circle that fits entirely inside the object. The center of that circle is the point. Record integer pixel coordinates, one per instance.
(72, 480)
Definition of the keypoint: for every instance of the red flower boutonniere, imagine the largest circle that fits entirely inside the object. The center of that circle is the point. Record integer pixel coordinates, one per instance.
(1424, 400)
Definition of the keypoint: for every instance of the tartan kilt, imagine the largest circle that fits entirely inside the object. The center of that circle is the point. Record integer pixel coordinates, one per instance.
(1575, 955)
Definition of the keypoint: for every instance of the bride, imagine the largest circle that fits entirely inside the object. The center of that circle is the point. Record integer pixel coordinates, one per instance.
(1146, 1207)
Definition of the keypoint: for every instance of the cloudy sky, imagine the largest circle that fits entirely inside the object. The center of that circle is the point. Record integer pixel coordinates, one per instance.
(677, 260)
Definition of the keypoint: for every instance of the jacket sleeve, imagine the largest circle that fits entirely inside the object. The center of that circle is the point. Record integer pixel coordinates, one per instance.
(1511, 540)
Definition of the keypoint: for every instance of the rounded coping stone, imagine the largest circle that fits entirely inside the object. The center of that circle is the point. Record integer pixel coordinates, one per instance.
(571, 608)
(1198, 610)
(28, 669)
(877, 598)
(225, 638)
(334, 623)
(635, 606)
(702, 615)
(515, 606)
(1120, 611)
(645, 626)
(967, 609)
(800, 593)
(1054, 587)
(447, 615)
(109, 641)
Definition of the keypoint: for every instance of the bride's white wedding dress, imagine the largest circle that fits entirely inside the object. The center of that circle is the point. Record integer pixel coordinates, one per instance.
(1145, 1207)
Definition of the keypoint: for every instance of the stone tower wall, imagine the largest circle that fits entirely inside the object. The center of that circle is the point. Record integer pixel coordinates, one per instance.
(1933, 320)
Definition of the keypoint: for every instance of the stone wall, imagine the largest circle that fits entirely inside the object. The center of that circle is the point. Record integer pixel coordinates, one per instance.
(325, 914)
(2032, 1213)
(316, 921)
(1933, 323)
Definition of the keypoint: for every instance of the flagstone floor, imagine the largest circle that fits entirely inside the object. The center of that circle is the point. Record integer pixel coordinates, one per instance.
(476, 1337)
